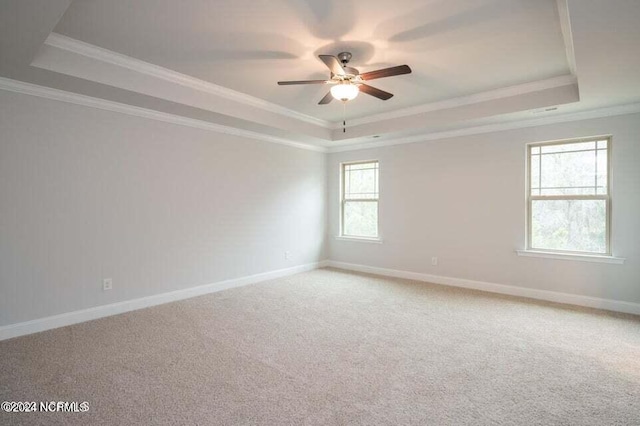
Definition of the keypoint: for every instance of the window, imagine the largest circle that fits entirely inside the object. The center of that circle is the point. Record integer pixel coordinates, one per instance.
(359, 204)
(569, 202)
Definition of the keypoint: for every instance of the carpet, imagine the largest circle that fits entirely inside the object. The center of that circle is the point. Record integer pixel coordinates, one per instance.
(330, 347)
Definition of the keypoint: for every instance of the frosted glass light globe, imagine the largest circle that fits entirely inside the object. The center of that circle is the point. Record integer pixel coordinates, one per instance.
(345, 91)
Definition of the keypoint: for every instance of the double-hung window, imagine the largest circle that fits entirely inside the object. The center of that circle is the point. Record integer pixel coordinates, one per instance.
(569, 201)
(359, 200)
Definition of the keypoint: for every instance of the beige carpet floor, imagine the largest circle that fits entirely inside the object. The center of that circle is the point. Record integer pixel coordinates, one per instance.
(331, 347)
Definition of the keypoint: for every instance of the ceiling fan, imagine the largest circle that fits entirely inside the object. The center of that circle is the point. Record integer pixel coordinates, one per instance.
(348, 82)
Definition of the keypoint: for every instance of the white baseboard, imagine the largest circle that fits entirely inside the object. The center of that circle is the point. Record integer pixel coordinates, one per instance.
(69, 318)
(550, 296)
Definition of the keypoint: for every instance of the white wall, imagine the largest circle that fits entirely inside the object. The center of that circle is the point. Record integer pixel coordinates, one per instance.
(87, 194)
(463, 200)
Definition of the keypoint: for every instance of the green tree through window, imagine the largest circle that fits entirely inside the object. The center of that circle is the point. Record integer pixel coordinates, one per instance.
(568, 196)
(359, 206)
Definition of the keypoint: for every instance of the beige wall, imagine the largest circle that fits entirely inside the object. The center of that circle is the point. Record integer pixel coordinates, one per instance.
(87, 194)
(463, 200)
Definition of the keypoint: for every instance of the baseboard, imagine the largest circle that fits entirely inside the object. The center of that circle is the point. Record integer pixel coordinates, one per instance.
(75, 317)
(69, 318)
(550, 296)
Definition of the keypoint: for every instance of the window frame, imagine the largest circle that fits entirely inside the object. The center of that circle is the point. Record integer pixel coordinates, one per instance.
(607, 197)
(343, 201)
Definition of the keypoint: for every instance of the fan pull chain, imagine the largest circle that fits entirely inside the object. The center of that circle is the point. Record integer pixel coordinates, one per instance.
(344, 116)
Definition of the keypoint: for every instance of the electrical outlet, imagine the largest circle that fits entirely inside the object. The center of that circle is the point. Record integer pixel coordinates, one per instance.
(107, 284)
(287, 255)
(434, 261)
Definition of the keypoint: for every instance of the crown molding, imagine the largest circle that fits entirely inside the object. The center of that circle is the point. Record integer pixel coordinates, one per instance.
(88, 101)
(497, 127)
(91, 51)
(567, 34)
(78, 47)
(505, 92)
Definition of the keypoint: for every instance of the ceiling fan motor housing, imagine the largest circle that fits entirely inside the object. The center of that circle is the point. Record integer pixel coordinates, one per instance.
(351, 71)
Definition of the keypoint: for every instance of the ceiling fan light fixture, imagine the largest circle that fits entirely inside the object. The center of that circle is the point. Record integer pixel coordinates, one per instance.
(345, 91)
(348, 82)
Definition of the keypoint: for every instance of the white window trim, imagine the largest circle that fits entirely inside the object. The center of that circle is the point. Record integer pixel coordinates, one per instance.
(566, 254)
(570, 256)
(341, 236)
(359, 239)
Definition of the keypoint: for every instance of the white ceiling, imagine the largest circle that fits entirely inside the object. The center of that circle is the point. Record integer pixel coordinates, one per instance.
(478, 64)
(455, 47)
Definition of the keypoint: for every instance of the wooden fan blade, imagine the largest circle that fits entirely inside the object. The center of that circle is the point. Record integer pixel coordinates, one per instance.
(327, 98)
(332, 63)
(287, 83)
(380, 94)
(386, 72)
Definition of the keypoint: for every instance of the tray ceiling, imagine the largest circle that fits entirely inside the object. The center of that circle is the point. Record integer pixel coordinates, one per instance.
(479, 65)
(455, 47)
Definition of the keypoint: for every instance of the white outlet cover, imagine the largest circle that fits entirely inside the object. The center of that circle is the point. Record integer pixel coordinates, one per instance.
(434, 261)
(107, 284)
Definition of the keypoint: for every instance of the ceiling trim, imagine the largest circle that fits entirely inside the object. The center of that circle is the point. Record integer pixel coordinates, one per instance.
(496, 127)
(91, 51)
(567, 34)
(88, 101)
(78, 47)
(490, 95)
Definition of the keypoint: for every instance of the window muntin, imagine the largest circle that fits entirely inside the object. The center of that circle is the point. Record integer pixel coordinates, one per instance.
(568, 196)
(359, 203)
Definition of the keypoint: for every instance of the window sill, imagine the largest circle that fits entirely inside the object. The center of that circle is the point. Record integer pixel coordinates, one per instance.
(359, 239)
(569, 256)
